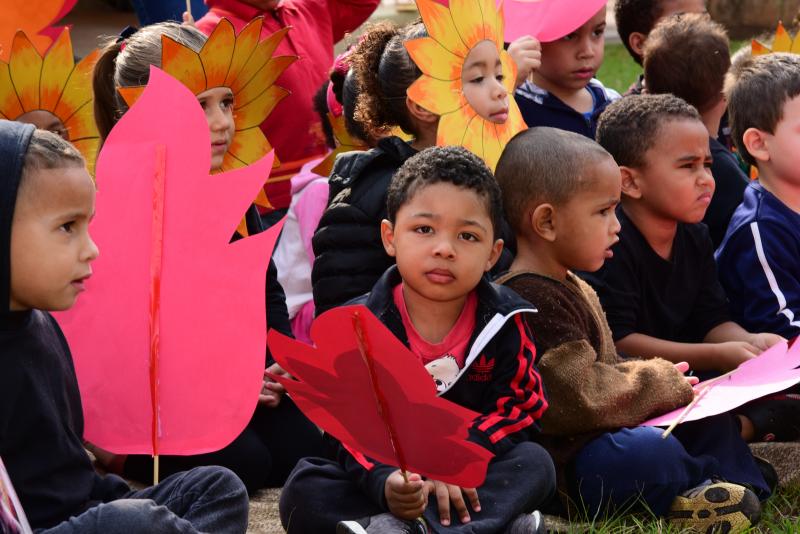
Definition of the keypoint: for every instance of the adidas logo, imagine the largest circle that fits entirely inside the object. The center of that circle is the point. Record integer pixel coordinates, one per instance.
(481, 371)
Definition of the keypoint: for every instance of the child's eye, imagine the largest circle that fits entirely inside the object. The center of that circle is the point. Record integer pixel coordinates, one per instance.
(479, 79)
(67, 226)
(569, 37)
(423, 229)
(500, 77)
(467, 236)
(227, 103)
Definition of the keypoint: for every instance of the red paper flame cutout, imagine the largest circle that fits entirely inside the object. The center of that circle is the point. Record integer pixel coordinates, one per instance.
(332, 384)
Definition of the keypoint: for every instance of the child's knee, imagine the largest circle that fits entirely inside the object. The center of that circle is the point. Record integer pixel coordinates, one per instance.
(536, 461)
(630, 450)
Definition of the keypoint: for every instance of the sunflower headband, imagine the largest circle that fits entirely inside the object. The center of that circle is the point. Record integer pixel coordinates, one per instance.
(55, 85)
(783, 42)
(453, 32)
(241, 63)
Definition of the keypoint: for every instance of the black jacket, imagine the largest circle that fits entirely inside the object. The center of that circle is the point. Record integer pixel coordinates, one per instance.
(41, 419)
(347, 244)
(499, 379)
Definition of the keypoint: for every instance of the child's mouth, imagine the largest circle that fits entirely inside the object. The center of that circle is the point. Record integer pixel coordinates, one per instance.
(584, 74)
(499, 116)
(79, 283)
(440, 276)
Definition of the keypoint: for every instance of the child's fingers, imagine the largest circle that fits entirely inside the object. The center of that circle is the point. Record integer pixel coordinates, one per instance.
(275, 387)
(682, 366)
(457, 498)
(443, 502)
(472, 497)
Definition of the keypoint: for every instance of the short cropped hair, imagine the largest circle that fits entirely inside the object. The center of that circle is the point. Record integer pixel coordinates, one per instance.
(446, 164)
(544, 165)
(48, 150)
(757, 90)
(688, 55)
(629, 127)
(636, 16)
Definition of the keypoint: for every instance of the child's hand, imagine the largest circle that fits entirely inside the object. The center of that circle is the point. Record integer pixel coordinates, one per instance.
(682, 367)
(729, 355)
(764, 340)
(188, 20)
(527, 54)
(447, 493)
(271, 391)
(406, 500)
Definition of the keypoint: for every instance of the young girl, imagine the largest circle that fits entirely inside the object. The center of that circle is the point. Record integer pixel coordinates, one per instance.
(294, 255)
(278, 434)
(349, 255)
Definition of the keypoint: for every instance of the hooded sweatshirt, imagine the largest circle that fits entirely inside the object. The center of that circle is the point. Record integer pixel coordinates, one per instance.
(41, 419)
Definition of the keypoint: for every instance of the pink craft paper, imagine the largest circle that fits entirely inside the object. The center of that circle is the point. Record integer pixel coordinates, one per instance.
(332, 386)
(212, 322)
(547, 20)
(772, 371)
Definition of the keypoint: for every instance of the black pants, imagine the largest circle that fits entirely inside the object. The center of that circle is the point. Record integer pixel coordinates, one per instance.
(319, 494)
(263, 455)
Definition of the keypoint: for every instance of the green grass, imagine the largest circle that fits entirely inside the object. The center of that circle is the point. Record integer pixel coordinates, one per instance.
(779, 515)
(619, 70)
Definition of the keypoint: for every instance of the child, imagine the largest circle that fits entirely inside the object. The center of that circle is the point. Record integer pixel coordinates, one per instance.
(259, 455)
(47, 200)
(349, 255)
(563, 92)
(315, 27)
(443, 210)
(636, 19)
(688, 56)
(560, 190)
(660, 289)
(757, 261)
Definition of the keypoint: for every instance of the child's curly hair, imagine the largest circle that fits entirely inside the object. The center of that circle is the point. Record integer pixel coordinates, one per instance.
(445, 164)
(384, 71)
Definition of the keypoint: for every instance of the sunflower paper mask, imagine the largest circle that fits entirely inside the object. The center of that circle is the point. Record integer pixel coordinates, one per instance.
(35, 18)
(53, 86)
(454, 32)
(241, 63)
(783, 42)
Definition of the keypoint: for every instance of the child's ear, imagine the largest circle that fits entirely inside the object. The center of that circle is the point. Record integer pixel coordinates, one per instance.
(755, 141)
(636, 41)
(543, 221)
(630, 182)
(387, 236)
(497, 249)
(419, 113)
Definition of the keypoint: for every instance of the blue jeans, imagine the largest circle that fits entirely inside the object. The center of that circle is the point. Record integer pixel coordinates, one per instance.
(205, 499)
(152, 11)
(636, 463)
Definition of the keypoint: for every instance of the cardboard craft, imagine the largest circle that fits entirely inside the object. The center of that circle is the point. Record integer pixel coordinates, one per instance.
(364, 387)
(35, 18)
(168, 340)
(782, 42)
(453, 31)
(52, 82)
(773, 370)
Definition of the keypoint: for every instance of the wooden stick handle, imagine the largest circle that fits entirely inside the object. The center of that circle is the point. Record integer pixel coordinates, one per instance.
(685, 412)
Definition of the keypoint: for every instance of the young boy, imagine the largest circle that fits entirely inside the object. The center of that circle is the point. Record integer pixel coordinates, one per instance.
(637, 18)
(758, 260)
(560, 191)
(563, 92)
(660, 289)
(46, 203)
(444, 209)
(689, 56)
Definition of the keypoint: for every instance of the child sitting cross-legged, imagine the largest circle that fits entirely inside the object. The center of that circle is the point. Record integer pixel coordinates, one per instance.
(444, 209)
(46, 203)
(560, 191)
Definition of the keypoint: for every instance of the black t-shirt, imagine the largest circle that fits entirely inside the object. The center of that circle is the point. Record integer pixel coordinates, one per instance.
(678, 300)
(728, 194)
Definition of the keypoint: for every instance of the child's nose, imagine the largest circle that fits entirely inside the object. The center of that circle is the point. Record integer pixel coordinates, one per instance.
(499, 90)
(90, 251)
(444, 248)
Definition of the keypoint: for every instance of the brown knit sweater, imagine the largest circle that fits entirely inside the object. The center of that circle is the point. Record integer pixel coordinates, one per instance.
(590, 389)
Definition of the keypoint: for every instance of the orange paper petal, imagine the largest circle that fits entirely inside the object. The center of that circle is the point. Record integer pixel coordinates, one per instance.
(217, 53)
(57, 66)
(25, 67)
(184, 64)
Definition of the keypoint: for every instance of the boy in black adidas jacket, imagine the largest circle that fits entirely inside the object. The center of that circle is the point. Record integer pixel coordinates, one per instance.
(444, 209)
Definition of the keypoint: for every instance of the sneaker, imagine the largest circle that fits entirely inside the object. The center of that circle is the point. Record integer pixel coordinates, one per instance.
(768, 472)
(527, 524)
(775, 417)
(382, 524)
(718, 507)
